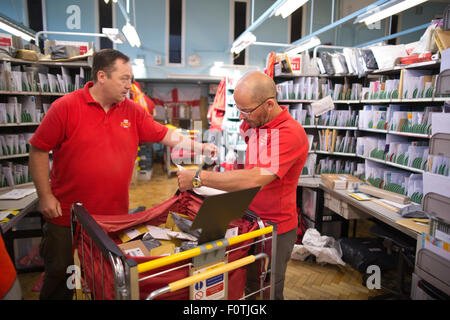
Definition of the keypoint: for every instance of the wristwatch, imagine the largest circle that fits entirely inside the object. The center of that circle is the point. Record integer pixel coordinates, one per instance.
(196, 182)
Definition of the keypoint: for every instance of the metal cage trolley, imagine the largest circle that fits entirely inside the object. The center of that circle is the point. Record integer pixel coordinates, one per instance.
(103, 271)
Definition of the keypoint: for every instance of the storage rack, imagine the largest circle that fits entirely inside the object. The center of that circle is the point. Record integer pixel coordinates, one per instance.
(438, 99)
(41, 97)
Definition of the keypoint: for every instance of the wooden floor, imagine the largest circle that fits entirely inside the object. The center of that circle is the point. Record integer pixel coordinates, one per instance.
(304, 280)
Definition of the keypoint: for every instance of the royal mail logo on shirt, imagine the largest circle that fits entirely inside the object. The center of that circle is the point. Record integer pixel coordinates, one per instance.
(125, 123)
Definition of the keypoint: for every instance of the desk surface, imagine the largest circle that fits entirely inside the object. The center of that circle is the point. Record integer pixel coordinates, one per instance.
(25, 205)
(375, 210)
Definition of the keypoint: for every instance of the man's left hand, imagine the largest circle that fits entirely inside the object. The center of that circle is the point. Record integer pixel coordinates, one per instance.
(185, 178)
(210, 150)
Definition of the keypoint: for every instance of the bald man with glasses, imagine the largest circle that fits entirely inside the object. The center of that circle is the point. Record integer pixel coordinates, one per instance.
(277, 148)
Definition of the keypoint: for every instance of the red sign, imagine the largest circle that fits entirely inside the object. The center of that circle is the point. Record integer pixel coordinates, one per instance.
(5, 42)
(213, 290)
(83, 50)
(296, 63)
(199, 295)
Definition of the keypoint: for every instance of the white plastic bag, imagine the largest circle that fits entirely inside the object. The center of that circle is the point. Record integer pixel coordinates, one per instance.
(325, 249)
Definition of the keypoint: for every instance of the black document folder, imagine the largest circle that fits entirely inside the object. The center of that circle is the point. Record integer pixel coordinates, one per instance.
(216, 213)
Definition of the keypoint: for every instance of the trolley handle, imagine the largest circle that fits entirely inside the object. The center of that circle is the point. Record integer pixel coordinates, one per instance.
(207, 247)
(183, 283)
(103, 241)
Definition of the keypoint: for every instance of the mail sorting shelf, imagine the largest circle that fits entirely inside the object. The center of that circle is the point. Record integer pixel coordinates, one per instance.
(108, 263)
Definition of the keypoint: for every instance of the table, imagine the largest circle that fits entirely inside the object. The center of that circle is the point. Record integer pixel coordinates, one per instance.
(27, 207)
(378, 212)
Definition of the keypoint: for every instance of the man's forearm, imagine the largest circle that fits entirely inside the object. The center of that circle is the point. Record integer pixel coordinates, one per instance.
(39, 169)
(236, 179)
(174, 139)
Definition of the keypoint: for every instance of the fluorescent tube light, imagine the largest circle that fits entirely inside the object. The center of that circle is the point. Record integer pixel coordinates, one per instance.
(15, 31)
(16, 28)
(132, 36)
(243, 42)
(114, 35)
(386, 10)
(289, 6)
(306, 45)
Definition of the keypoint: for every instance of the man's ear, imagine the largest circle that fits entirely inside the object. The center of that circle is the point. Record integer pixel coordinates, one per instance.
(270, 104)
(101, 76)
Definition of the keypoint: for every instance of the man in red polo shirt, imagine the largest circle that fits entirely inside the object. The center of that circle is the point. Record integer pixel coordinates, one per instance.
(277, 148)
(94, 133)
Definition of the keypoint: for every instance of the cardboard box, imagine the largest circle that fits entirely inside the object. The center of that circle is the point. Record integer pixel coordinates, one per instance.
(442, 39)
(133, 232)
(135, 248)
(340, 181)
(29, 55)
(342, 208)
(166, 249)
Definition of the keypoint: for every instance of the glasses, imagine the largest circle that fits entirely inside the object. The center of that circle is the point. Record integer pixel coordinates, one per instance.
(247, 113)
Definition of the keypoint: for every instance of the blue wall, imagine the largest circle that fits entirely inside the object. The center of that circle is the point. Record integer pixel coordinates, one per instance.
(13, 10)
(57, 18)
(208, 29)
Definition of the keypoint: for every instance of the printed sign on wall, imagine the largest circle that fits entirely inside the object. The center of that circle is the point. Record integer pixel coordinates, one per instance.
(74, 19)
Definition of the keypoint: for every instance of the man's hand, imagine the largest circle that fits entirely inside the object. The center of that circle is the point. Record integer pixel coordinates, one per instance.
(49, 206)
(210, 150)
(185, 178)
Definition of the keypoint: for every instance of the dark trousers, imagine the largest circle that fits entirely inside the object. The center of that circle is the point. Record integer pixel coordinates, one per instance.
(56, 249)
(284, 246)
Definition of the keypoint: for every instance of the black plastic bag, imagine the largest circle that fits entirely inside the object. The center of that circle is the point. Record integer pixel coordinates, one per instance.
(361, 253)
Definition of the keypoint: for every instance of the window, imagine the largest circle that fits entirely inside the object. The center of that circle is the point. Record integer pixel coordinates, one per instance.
(393, 28)
(239, 15)
(105, 21)
(296, 25)
(175, 31)
(35, 15)
(35, 20)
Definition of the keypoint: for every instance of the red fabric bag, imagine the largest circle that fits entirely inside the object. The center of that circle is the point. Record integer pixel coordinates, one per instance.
(216, 111)
(184, 203)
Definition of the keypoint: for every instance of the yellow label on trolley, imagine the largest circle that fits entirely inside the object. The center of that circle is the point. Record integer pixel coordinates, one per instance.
(214, 288)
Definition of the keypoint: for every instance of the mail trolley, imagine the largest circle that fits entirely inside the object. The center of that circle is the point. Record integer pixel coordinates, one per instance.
(103, 271)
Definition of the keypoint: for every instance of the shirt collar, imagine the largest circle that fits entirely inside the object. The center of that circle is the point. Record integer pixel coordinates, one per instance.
(282, 116)
(90, 100)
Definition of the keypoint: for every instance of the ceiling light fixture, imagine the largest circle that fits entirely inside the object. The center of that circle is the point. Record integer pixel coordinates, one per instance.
(243, 42)
(386, 10)
(303, 46)
(16, 29)
(286, 8)
(114, 35)
(131, 34)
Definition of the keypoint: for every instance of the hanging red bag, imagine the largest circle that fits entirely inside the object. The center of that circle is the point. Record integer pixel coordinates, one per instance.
(216, 111)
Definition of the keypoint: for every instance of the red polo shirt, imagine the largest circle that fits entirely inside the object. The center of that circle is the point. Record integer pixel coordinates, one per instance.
(280, 146)
(93, 151)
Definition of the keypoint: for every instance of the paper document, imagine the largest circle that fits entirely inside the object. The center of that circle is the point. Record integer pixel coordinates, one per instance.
(394, 204)
(158, 233)
(16, 194)
(204, 191)
(360, 196)
(381, 203)
(322, 106)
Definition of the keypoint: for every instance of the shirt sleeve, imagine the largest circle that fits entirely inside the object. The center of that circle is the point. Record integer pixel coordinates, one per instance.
(51, 131)
(148, 129)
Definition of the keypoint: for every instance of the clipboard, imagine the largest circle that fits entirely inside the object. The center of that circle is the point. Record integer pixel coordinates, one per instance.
(217, 211)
